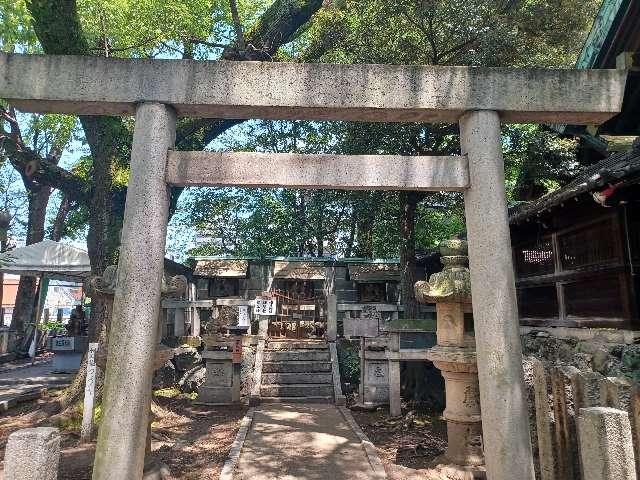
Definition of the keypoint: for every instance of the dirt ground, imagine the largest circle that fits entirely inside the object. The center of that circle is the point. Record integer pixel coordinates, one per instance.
(192, 440)
(407, 446)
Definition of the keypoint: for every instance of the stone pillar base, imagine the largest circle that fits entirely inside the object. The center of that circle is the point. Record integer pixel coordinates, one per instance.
(450, 471)
(218, 385)
(214, 395)
(467, 450)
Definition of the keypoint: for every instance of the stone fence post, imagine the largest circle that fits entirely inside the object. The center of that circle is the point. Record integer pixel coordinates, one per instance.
(606, 447)
(32, 453)
(332, 317)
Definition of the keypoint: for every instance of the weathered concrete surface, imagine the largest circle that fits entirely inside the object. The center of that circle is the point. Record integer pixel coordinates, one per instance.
(606, 449)
(136, 306)
(350, 172)
(98, 86)
(32, 453)
(499, 353)
(306, 442)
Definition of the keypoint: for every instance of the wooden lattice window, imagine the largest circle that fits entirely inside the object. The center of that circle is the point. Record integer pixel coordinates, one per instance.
(591, 245)
(599, 296)
(540, 301)
(535, 258)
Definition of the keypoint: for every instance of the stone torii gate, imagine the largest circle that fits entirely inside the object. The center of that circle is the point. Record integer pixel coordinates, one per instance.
(157, 91)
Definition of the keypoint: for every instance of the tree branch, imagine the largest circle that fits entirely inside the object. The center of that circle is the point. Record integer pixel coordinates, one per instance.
(59, 222)
(276, 27)
(46, 172)
(237, 25)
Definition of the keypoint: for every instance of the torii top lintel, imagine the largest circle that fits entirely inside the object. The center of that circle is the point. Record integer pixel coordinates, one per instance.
(241, 90)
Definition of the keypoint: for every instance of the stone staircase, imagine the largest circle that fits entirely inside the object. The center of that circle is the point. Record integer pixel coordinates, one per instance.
(296, 371)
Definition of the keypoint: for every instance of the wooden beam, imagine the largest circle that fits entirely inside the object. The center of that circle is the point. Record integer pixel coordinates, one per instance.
(281, 90)
(342, 172)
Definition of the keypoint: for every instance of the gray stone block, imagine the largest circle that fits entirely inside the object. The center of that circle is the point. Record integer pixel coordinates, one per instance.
(306, 377)
(606, 447)
(284, 356)
(297, 390)
(214, 394)
(32, 453)
(296, 367)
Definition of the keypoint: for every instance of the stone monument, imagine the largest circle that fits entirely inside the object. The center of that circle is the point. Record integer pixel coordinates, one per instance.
(455, 356)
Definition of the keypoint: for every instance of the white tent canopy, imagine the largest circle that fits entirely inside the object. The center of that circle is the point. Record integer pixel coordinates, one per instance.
(53, 259)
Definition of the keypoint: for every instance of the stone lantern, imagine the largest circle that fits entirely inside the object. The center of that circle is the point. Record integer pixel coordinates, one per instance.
(455, 355)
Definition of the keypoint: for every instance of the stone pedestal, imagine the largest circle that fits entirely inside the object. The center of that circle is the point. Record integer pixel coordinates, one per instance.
(218, 385)
(464, 425)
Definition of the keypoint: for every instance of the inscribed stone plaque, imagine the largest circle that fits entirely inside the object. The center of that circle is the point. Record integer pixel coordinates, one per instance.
(377, 372)
(219, 374)
(360, 327)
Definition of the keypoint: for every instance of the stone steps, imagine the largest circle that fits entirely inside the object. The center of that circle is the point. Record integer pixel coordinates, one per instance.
(296, 390)
(296, 366)
(288, 378)
(296, 370)
(327, 399)
(300, 355)
(297, 345)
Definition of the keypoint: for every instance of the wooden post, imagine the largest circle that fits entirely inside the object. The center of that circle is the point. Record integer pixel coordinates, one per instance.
(89, 394)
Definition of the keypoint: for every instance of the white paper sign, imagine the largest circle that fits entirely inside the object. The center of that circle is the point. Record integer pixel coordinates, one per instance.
(89, 393)
(265, 306)
(243, 316)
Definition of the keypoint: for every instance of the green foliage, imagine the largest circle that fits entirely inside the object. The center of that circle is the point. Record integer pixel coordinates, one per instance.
(349, 361)
(52, 326)
(536, 161)
(447, 32)
(16, 33)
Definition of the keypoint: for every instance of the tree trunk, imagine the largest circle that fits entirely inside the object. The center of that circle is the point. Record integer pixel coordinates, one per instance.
(408, 203)
(24, 310)
(102, 241)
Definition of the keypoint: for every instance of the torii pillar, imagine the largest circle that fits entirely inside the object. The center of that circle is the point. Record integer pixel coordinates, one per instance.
(505, 415)
(136, 306)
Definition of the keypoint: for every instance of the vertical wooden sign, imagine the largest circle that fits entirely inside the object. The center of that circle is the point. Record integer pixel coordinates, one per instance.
(89, 394)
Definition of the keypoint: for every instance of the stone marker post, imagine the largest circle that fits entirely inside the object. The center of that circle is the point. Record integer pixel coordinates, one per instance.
(502, 393)
(136, 305)
(89, 394)
(455, 356)
(32, 454)
(332, 317)
(606, 446)
(395, 398)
